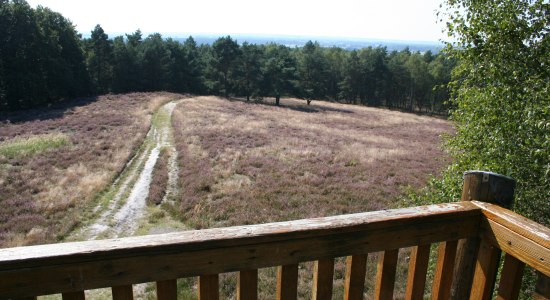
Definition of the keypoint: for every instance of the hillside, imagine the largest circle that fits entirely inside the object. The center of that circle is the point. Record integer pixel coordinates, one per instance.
(244, 163)
(54, 162)
(86, 170)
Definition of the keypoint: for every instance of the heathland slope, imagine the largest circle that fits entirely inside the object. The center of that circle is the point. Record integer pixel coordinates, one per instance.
(93, 165)
(245, 163)
(55, 161)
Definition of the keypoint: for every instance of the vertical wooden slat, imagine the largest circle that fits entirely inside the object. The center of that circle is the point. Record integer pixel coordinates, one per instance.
(167, 289)
(247, 285)
(510, 278)
(385, 275)
(323, 274)
(542, 288)
(418, 267)
(209, 287)
(123, 292)
(486, 271)
(287, 282)
(441, 288)
(356, 268)
(73, 296)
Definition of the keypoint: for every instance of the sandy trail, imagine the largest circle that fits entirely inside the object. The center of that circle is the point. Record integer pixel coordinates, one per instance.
(127, 208)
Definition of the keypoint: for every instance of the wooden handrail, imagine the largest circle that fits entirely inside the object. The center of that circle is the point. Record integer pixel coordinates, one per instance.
(73, 267)
(516, 235)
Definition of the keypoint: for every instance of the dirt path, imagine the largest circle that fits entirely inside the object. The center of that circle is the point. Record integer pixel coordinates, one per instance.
(123, 209)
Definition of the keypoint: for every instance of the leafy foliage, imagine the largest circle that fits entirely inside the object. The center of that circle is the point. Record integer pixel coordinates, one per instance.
(501, 90)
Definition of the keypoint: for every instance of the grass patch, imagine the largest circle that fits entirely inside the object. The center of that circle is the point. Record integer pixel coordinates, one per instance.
(31, 145)
(159, 179)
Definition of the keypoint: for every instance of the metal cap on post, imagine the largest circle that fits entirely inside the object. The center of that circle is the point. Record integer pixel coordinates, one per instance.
(486, 187)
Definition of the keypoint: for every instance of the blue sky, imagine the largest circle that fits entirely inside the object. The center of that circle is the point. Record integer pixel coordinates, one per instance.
(391, 19)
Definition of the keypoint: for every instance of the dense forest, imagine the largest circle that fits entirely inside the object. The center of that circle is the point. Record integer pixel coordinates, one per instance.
(44, 60)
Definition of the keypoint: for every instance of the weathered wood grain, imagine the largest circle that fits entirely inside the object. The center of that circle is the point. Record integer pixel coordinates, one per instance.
(123, 292)
(323, 275)
(37, 270)
(510, 278)
(167, 289)
(517, 244)
(354, 285)
(517, 223)
(287, 282)
(418, 267)
(247, 285)
(441, 289)
(486, 271)
(209, 287)
(487, 187)
(385, 274)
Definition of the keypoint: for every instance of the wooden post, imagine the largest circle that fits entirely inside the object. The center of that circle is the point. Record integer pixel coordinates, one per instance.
(486, 187)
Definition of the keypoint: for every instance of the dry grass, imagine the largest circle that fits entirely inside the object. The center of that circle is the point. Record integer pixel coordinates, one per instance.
(63, 157)
(159, 179)
(245, 163)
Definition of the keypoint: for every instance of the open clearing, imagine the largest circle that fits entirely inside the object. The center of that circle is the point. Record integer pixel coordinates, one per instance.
(230, 163)
(247, 163)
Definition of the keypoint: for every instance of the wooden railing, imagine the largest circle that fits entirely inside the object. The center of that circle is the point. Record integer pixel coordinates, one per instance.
(72, 268)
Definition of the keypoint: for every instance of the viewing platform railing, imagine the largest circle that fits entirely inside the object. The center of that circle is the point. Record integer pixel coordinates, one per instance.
(470, 235)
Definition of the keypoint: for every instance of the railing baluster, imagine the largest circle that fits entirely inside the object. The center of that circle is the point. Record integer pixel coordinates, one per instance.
(209, 287)
(510, 278)
(287, 282)
(323, 274)
(123, 292)
(418, 267)
(167, 289)
(247, 285)
(385, 274)
(485, 271)
(542, 288)
(356, 268)
(441, 288)
(73, 296)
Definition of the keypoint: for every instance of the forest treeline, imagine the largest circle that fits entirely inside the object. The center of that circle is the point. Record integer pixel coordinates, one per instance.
(44, 60)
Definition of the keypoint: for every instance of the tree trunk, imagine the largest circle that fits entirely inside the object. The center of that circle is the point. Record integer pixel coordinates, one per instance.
(277, 98)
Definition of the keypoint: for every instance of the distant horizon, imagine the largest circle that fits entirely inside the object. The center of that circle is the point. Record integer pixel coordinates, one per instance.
(266, 35)
(397, 20)
(346, 43)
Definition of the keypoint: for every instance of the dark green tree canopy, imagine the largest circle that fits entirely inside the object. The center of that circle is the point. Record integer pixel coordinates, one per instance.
(44, 60)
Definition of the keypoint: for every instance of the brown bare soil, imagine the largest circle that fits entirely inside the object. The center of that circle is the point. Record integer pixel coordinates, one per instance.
(44, 191)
